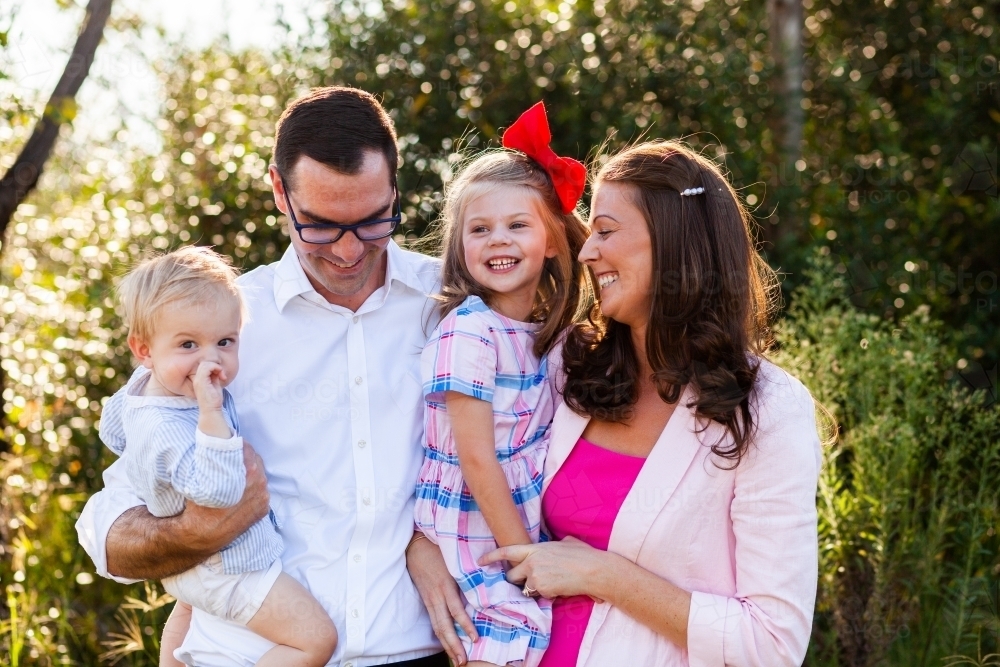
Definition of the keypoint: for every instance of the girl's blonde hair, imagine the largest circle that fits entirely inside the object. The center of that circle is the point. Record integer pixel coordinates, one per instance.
(191, 274)
(564, 287)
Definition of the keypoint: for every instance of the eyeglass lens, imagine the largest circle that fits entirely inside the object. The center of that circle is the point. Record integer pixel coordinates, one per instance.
(372, 232)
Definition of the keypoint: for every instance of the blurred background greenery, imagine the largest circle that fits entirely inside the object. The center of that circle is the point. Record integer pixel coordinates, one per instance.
(865, 143)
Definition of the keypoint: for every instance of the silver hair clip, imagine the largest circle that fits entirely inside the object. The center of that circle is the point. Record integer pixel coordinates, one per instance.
(692, 191)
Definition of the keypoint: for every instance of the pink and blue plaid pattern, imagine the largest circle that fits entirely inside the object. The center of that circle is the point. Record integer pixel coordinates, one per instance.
(480, 353)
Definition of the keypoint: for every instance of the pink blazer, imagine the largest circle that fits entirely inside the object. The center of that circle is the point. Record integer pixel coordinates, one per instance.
(742, 541)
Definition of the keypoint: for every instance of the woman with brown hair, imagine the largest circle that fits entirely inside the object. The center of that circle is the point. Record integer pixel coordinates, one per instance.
(680, 482)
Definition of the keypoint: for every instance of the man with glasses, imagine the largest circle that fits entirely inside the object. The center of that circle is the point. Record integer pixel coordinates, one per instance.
(329, 392)
(326, 233)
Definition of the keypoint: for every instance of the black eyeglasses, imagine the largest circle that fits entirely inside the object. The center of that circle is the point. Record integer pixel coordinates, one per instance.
(330, 232)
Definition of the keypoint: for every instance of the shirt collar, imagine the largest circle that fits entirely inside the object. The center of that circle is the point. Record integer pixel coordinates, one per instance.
(135, 398)
(290, 278)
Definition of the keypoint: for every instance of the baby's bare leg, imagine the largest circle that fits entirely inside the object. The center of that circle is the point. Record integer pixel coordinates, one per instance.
(173, 634)
(292, 618)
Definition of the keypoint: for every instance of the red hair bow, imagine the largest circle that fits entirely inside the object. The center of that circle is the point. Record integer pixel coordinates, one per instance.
(530, 134)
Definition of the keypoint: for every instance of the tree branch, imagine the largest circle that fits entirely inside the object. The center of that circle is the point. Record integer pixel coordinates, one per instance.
(23, 176)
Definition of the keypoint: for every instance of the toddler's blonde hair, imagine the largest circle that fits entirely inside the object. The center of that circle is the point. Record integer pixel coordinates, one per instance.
(564, 288)
(191, 274)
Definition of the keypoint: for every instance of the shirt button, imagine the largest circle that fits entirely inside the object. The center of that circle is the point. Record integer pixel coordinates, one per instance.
(367, 500)
(362, 443)
(357, 558)
(356, 318)
(354, 613)
(349, 664)
(358, 380)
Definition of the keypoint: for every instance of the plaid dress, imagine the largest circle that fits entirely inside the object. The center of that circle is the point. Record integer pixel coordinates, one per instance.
(480, 353)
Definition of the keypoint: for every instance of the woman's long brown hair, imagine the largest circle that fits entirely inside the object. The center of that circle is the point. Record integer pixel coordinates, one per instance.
(712, 296)
(564, 286)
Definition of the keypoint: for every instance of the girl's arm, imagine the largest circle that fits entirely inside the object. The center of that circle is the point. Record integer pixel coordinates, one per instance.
(472, 426)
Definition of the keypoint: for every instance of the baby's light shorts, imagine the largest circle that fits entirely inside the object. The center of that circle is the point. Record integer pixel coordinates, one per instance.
(234, 597)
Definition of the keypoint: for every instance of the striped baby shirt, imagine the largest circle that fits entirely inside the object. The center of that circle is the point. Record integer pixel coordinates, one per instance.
(168, 460)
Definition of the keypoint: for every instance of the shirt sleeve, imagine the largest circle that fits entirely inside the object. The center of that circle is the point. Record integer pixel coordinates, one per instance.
(112, 427)
(100, 512)
(767, 623)
(461, 356)
(209, 472)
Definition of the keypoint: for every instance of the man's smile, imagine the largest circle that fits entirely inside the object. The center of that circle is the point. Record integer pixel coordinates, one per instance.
(341, 265)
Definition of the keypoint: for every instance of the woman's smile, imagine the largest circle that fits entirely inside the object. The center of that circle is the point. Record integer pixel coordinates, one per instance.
(619, 252)
(607, 279)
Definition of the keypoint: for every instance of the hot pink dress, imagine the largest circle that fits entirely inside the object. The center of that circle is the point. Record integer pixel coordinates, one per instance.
(583, 500)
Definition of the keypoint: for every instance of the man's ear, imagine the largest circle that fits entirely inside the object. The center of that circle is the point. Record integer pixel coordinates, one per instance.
(278, 186)
(140, 349)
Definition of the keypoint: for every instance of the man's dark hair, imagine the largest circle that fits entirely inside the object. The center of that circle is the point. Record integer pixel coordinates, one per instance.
(335, 126)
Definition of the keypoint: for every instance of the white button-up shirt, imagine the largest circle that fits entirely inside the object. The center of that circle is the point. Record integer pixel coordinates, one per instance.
(331, 400)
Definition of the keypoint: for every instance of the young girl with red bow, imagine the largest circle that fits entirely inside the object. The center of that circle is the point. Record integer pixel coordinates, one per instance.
(510, 285)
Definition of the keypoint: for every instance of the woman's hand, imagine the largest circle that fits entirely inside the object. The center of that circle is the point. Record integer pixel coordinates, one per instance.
(559, 569)
(571, 567)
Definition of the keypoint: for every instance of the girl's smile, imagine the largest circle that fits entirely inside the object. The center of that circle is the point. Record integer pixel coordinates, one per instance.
(501, 264)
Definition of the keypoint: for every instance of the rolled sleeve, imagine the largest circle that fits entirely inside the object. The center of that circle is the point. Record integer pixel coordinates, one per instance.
(101, 512)
(767, 623)
(233, 442)
(711, 620)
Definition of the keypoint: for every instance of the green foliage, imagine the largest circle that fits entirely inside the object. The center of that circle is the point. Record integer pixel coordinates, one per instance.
(211, 181)
(895, 120)
(6, 15)
(900, 169)
(624, 69)
(451, 85)
(882, 177)
(62, 352)
(908, 505)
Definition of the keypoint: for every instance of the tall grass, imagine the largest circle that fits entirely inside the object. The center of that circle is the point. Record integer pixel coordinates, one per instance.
(908, 499)
(908, 505)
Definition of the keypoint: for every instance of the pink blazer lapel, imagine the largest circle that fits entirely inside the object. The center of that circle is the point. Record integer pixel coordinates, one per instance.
(567, 427)
(662, 472)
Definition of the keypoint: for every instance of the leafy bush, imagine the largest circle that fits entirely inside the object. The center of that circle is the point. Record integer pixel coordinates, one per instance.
(908, 515)
(911, 206)
(908, 502)
(62, 352)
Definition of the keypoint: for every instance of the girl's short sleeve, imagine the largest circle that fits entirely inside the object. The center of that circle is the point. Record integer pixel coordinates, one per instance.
(555, 370)
(460, 356)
